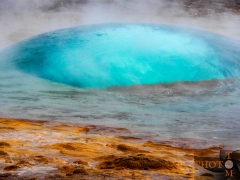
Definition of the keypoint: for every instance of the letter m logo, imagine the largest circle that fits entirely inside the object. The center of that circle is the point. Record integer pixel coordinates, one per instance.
(229, 173)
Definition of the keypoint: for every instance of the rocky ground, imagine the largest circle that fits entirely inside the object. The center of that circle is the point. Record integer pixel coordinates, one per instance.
(57, 150)
(218, 6)
(202, 7)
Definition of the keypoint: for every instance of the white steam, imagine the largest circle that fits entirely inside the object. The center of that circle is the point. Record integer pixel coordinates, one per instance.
(22, 19)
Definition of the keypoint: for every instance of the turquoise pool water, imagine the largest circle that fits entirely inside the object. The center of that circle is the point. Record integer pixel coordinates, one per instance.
(100, 56)
(159, 81)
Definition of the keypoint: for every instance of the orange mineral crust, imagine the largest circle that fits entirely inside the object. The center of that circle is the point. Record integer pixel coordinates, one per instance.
(63, 150)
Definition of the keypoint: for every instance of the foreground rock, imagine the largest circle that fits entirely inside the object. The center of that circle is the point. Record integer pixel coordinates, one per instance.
(54, 150)
(140, 162)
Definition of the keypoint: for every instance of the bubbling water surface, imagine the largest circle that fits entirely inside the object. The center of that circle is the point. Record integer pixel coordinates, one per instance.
(158, 80)
(126, 54)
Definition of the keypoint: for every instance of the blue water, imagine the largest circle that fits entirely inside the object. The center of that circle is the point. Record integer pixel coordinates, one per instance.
(158, 80)
(127, 54)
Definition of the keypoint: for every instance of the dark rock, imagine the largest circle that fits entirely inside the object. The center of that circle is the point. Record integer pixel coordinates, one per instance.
(11, 168)
(4, 144)
(67, 169)
(79, 171)
(4, 175)
(3, 154)
(207, 174)
(138, 162)
(41, 159)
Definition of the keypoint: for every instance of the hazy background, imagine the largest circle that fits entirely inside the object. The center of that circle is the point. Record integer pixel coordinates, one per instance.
(20, 19)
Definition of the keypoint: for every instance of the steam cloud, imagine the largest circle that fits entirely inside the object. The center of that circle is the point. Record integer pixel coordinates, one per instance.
(22, 19)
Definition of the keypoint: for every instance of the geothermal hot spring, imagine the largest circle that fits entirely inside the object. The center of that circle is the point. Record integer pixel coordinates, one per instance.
(159, 81)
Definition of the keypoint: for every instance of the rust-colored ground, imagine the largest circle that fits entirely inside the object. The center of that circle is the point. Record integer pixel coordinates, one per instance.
(58, 150)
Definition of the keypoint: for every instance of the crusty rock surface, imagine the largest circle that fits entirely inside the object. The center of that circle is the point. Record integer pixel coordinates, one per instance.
(53, 150)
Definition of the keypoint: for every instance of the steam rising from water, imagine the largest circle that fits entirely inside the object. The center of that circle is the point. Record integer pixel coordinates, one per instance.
(25, 18)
